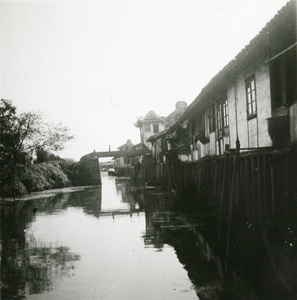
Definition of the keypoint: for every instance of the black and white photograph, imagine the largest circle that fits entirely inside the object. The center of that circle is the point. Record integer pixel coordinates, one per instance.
(148, 150)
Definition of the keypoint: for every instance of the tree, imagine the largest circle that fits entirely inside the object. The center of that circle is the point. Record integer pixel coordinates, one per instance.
(22, 134)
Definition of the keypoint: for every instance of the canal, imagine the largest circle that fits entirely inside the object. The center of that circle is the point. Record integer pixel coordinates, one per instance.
(95, 243)
(115, 241)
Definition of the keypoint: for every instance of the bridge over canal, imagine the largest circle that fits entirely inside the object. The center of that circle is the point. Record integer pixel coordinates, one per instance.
(89, 163)
(119, 153)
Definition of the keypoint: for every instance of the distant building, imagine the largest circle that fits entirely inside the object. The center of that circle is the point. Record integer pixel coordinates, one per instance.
(122, 164)
(153, 124)
(149, 125)
(153, 129)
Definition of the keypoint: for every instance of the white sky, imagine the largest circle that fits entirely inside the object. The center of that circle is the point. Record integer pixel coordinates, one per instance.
(97, 65)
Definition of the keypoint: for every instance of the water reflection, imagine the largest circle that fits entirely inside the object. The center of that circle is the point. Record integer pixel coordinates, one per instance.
(131, 193)
(90, 200)
(106, 242)
(29, 265)
(167, 224)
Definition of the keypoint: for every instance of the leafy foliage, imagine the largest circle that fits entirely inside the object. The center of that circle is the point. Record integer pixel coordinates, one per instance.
(29, 131)
(21, 135)
(43, 156)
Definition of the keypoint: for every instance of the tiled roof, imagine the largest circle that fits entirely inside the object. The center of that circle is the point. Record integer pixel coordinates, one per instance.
(245, 51)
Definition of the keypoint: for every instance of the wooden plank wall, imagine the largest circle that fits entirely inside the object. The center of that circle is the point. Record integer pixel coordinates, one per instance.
(257, 186)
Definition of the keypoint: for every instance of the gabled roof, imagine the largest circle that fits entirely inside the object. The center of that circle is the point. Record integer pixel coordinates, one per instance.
(151, 116)
(127, 144)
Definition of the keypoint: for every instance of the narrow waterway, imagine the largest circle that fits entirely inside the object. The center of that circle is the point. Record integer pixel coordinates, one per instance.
(97, 243)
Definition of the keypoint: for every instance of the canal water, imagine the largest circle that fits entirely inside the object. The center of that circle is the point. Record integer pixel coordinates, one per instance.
(121, 241)
(95, 243)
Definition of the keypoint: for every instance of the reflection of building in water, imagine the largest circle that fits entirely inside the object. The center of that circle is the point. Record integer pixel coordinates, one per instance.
(153, 235)
(121, 186)
(196, 245)
(131, 193)
(193, 252)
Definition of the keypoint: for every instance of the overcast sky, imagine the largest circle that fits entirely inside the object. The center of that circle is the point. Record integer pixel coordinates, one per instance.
(97, 65)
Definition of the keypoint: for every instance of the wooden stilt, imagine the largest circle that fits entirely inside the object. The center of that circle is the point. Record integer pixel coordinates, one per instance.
(234, 187)
(222, 195)
(247, 188)
(230, 211)
(253, 196)
(215, 182)
(264, 188)
(272, 187)
(287, 192)
(259, 198)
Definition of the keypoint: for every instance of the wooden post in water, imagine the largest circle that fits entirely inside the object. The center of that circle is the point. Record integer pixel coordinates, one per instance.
(272, 187)
(225, 173)
(259, 198)
(247, 188)
(264, 188)
(215, 182)
(287, 188)
(253, 196)
(234, 188)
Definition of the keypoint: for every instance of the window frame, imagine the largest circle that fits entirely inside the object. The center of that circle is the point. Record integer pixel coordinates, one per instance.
(251, 103)
(283, 76)
(147, 127)
(155, 126)
(225, 110)
(212, 119)
(220, 117)
(127, 160)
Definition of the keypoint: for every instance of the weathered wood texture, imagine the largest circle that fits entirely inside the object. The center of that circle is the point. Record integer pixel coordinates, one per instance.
(258, 186)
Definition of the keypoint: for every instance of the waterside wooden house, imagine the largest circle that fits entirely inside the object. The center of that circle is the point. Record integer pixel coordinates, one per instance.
(235, 144)
(253, 99)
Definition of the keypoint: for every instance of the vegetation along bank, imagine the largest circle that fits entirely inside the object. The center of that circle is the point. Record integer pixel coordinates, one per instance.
(27, 164)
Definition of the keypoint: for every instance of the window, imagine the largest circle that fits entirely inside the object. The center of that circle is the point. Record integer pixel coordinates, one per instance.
(147, 127)
(211, 119)
(156, 128)
(127, 160)
(222, 114)
(225, 114)
(283, 78)
(206, 127)
(251, 97)
(220, 117)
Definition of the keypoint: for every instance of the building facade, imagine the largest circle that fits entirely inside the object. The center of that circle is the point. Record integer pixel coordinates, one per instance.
(123, 164)
(235, 145)
(149, 125)
(253, 100)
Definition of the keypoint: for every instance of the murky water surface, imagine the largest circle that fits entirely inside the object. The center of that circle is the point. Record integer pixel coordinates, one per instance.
(98, 243)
